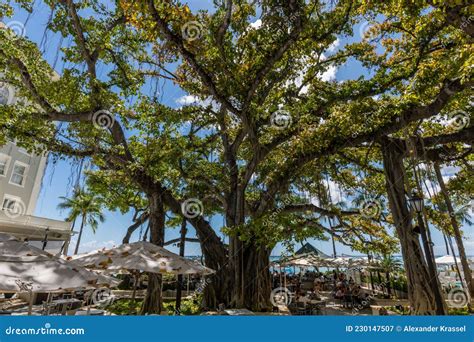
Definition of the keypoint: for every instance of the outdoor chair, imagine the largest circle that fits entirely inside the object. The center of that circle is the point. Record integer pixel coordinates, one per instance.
(293, 307)
(317, 309)
(348, 301)
(302, 309)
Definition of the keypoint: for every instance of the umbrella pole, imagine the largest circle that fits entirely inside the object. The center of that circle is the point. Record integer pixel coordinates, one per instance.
(281, 282)
(89, 302)
(135, 284)
(30, 303)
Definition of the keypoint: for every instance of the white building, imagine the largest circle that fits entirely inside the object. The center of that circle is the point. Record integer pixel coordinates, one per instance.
(21, 176)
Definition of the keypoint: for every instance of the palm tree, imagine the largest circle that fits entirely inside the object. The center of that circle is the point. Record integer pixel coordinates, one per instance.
(389, 264)
(86, 206)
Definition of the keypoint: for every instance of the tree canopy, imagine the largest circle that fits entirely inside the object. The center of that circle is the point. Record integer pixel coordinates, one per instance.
(267, 134)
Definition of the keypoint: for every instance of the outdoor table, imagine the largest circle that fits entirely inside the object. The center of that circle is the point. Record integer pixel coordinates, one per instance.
(62, 303)
(315, 305)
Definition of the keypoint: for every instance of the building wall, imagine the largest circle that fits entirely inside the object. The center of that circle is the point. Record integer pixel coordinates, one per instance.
(18, 220)
(28, 192)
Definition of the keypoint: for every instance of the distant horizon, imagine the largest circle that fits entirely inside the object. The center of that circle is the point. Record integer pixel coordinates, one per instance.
(346, 255)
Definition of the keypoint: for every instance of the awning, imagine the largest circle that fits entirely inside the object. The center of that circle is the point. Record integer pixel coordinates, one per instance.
(34, 228)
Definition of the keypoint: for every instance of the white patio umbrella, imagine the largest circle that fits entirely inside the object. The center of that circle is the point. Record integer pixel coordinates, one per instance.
(11, 248)
(140, 256)
(342, 262)
(24, 268)
(42, 274)
(308, 260)
(447, 260)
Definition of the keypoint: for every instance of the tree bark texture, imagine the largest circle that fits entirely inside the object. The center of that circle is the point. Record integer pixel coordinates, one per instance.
(420, 285)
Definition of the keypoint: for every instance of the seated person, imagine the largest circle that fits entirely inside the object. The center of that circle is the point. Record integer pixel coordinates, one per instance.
(339, 293)
(356, 291)
(301, 297)
(356, 294)
(317, 291)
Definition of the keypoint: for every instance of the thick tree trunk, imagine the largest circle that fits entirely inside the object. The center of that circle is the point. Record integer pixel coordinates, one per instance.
(152, 303)
(421, 288)
(456, 230)
(250, 264)
(430, 260)
(257, 278)
(252, 280)
(217, 286)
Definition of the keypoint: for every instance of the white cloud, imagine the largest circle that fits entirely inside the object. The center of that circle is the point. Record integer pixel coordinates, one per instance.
(187, 100)
(256, 25)
(337, 194)
(334, 45)
(329, 74)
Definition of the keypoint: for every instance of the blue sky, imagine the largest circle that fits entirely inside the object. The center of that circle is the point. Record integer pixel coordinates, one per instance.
(59, 177)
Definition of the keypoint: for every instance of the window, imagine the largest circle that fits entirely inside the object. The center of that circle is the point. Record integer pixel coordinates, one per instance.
(19, 174)
(8, 203)
(4, 163)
